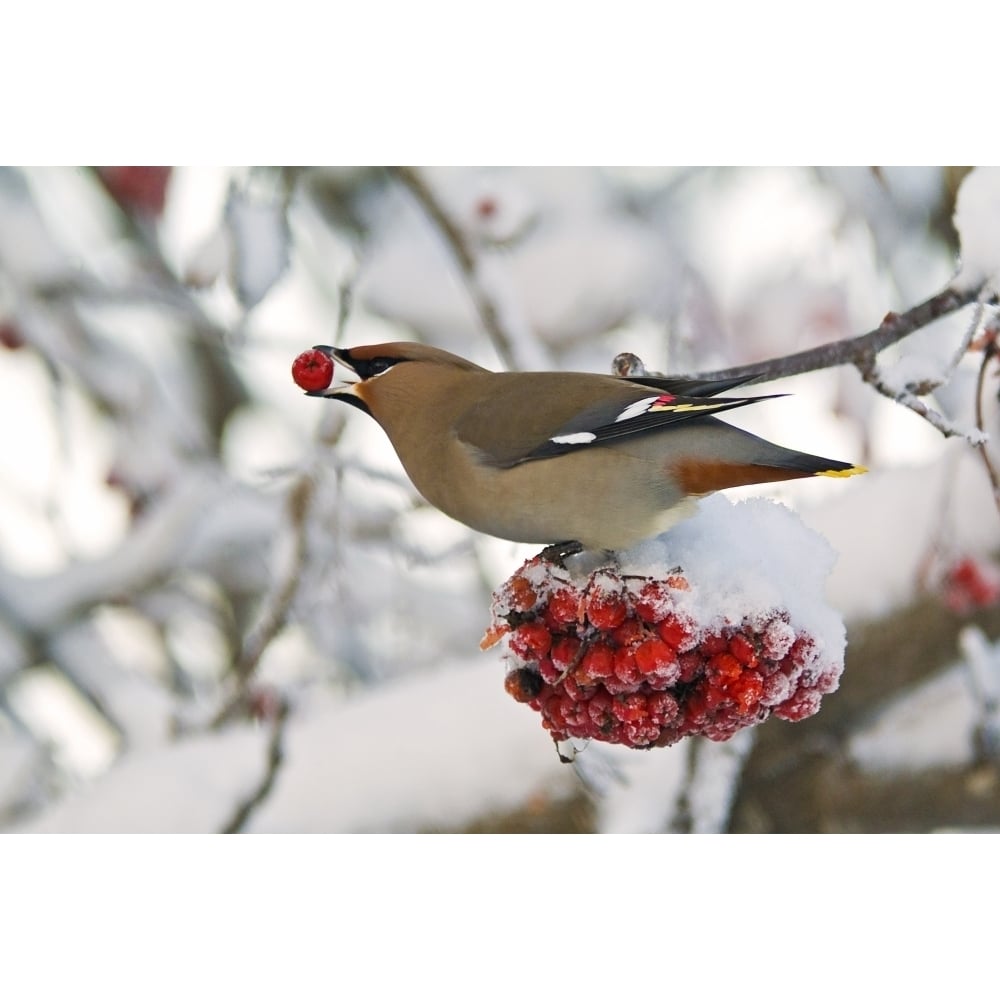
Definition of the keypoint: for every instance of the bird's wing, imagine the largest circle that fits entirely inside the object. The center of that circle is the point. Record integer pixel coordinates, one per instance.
(508, 425)
(646, 415)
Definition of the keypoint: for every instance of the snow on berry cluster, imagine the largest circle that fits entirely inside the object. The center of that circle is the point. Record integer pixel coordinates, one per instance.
(646, 653)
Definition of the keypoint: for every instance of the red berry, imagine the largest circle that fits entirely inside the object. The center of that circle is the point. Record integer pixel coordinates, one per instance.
(521, 595)
(777, 688)
(663, 707)
(725, 667)
(654, 602)
(486, 207)
(10, 337)
(715, 695)
(564, 607)
(564, 652)
(631, 708)
(573, 690)
(523, 684)
(653, 654)
(971, 583)
(599, 709)
(626, 669)
(692, 664)
(776, 639)
(747, 691)
(673, 631)
(801, 705)
(742, 648)
(312, 370)
(264, 703)
(712, 643)
(530, 641)
(142, 190)
(597, 663)
(630, 633)
(549, 671)
(605, 611)
(828, 681)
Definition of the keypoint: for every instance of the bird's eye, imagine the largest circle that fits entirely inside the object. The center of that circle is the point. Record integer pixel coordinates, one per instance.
(379, 365)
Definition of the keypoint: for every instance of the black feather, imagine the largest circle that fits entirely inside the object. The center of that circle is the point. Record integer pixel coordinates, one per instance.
(643, 423)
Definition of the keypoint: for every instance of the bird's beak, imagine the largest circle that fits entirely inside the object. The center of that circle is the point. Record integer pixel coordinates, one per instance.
(341, 362)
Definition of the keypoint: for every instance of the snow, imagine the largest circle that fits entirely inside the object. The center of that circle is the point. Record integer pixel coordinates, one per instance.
(688, 785)
(977, 219)
(983, 663)
(742, 560)
(192, 786)
(259, 233)
(28, 250)
(433, 751)
(946, 721)
(885, 525)
(197, 524)
(19, 766)
(929, 726)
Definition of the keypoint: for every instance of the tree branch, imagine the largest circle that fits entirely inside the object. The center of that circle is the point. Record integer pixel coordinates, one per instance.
(861, 350)
(989, 353)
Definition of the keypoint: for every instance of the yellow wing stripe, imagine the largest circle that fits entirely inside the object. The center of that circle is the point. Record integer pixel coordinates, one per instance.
(685, 407)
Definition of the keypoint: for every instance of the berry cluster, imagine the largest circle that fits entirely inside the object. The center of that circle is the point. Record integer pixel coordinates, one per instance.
(970, 584)
(623, 659)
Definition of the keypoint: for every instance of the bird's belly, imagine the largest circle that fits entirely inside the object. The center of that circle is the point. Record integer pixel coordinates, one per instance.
(559, 499)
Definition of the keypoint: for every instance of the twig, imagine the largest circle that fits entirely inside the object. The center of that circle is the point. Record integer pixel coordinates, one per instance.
(908, 397)
(299, 501)
(871, 374)
(682, 820)
(275, 758)
(486, 305)
(989, 353)
(860, 350)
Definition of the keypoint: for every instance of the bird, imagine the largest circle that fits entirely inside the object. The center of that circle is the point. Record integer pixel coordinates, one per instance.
(571, 460)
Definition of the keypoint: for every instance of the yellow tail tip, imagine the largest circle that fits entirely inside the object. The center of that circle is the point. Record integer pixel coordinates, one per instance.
(854, 470)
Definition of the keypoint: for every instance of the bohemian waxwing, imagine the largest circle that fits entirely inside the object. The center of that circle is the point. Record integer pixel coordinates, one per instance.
(552, 457)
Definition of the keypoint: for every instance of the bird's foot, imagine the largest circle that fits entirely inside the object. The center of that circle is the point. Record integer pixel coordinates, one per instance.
(559, 552)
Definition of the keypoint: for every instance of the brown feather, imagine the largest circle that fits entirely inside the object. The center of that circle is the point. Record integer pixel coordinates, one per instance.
(698, 476)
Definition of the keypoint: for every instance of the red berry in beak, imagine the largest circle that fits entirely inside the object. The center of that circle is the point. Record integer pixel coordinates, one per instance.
(312, 370)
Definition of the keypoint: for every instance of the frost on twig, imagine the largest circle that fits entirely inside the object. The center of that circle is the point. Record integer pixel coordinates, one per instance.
(906, 397)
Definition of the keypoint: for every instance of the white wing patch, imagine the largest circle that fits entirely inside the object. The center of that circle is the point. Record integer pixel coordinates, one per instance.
(667, 403)
(581, 437)
(636, 409)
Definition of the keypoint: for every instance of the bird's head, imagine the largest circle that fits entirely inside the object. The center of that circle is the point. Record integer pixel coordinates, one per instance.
(401, 365)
